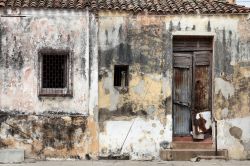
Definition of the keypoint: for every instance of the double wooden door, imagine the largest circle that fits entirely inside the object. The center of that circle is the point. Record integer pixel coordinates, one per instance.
(191, 88)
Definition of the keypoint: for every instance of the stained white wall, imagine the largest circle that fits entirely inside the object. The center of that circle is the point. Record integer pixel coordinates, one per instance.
(231, 57)
(21, 38)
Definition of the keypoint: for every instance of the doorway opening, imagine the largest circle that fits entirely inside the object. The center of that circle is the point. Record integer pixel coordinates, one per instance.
(192, 88)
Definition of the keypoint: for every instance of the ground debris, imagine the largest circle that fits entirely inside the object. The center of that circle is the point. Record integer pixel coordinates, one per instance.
(115, 157)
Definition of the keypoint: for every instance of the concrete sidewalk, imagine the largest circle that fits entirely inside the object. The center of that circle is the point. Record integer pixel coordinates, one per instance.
(135, 163)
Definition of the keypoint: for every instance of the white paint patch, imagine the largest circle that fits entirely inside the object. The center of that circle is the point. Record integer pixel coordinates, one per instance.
(155, 77)
(244, 124)
(225, 87)
(114, 94)
(108, 37)
(143, 139)
(224, 112)
(226, 141)
(140, 87)
(207, 116)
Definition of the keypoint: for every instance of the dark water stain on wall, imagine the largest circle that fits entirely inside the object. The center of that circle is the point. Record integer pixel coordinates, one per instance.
(107, 37)
(194, 27)
(125, 112)
(141, 59)
(236, 132)
(124, 53)
(143, 47)
(59, 134)
(17, 60)
(208, 26)
(167, 48)
(230, 38)
(171, 26)
(146, 50)
(120, 54)
(3, 117)
(223, 54)
(166, 105)
(179, 26)
(226, 54)
(56, 132)
(1, 55)
(105, 58)
(14, 60)
(83, 64)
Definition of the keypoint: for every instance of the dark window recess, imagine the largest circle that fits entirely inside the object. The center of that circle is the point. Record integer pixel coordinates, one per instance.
(54, 71)
(121, 75)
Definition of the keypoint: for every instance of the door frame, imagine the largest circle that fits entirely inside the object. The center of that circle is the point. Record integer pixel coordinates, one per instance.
(211, 35)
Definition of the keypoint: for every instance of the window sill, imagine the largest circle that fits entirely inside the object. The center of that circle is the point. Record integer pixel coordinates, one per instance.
(122, 89)
(55, 92)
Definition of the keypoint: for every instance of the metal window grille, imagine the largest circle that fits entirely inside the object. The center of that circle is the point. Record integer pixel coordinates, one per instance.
(54, 71)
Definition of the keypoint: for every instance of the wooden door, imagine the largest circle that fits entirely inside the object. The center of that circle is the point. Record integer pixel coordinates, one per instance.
(191, 82)
(191, 90)
(201, 81)
(201, 91)
(182, 89)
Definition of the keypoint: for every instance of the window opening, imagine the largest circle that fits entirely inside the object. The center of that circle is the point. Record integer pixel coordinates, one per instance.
(54, 71)
(121, 75)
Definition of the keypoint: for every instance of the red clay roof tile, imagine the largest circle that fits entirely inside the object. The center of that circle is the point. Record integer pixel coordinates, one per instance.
(161, 7)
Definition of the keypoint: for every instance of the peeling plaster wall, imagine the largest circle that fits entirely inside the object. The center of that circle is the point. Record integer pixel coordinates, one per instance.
(22, 37)
(134, 122)
(145, 44)
(232, 88)
(48, 127)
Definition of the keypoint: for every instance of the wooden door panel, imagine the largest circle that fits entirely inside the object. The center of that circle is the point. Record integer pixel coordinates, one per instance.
(182, 60)
(181, 120)
(201, 81)
(201, 90)
(202, 58)
(182, 85)
(192, 44)
(182, 93)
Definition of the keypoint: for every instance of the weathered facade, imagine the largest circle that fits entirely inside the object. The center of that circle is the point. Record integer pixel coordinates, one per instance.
(147, 43)
(123, 99)
(43, 125)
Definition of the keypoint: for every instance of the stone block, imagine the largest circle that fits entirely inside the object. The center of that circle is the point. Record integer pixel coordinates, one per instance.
(11, 155)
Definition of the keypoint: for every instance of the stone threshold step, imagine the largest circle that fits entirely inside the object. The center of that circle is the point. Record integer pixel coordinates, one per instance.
(192, 145)
(187, 154)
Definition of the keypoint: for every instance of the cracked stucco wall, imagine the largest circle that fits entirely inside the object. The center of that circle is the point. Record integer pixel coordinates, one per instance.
(139, 119)
(134, 122)
(143, 114)
(48, 127)
(232, 89)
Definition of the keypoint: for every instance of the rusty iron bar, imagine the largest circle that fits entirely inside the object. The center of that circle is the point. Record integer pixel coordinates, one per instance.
(216, 148)
(126, 137)
(132, 122)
